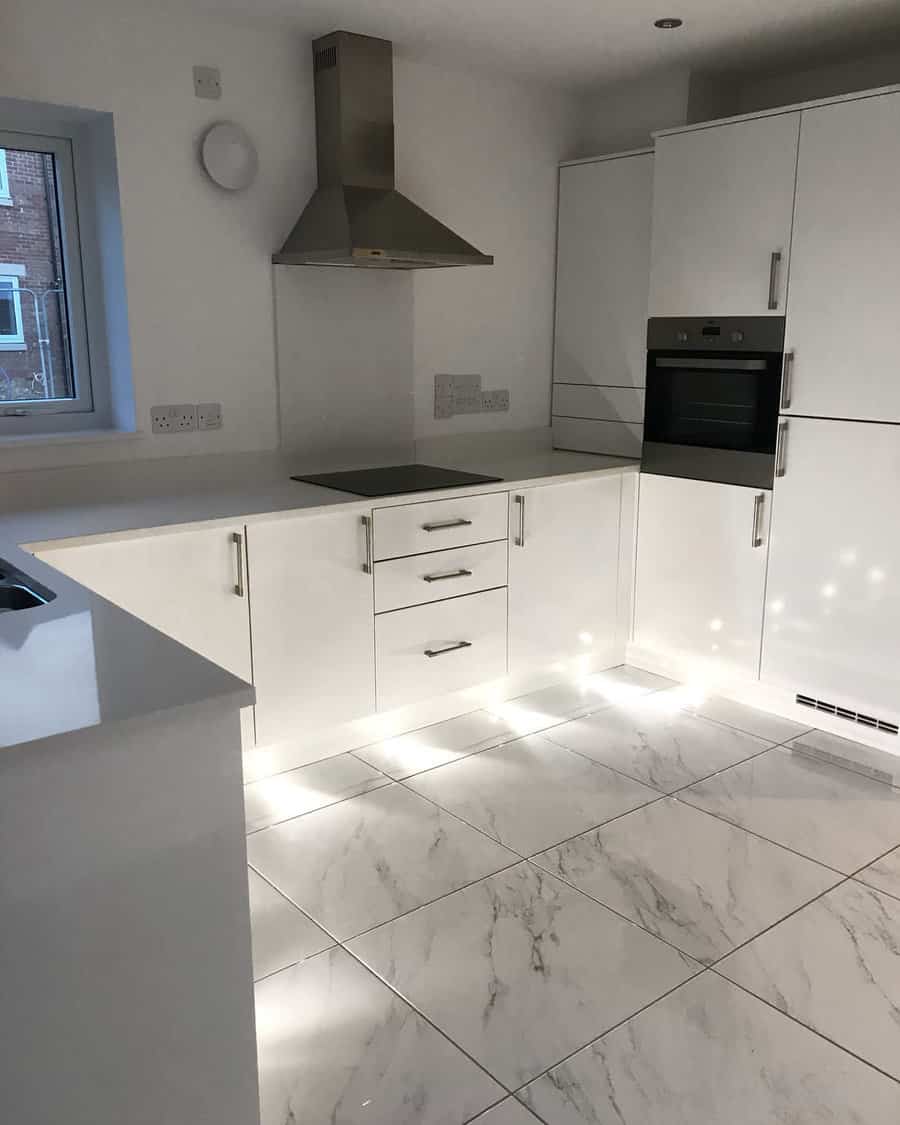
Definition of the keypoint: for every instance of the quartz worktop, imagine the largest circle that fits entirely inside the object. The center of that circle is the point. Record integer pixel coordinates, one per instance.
(79, 661)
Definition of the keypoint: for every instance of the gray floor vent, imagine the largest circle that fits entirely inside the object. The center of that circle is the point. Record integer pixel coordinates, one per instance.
(845, 713)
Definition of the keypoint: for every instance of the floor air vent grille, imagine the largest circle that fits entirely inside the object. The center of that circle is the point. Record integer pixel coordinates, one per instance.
(845, 713)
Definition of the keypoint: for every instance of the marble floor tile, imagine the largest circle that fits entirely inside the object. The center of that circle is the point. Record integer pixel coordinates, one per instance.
(531, 793)
(884, 874)
(771, 728)
(372, 858)
(826, 747)
(337, 1047)
(281, 933)
(701, 884)
(654, 741)
(437, 745)
(520, 970)
(509, 1112)
(311, 787)
(835, 966)
(825, 812)
(710, 1054)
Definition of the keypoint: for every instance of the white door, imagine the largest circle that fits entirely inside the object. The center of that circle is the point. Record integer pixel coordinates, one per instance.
(184, 583)
(701, 573)
(312, 613)
(842, 322)
(722, 203)
(563, 571)
(833, 601)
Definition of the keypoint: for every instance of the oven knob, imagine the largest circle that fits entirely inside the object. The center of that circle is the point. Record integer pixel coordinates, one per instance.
(681, 336)
(737, 337)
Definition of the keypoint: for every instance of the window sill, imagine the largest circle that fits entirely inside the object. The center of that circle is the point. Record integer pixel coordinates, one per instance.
(74, 437)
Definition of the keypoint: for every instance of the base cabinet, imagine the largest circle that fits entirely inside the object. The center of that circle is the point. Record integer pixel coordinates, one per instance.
(833, 602)
(701, 573)
(312, 607)
(563, 571)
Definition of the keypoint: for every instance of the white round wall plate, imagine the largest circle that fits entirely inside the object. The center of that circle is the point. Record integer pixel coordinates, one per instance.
(229, 156)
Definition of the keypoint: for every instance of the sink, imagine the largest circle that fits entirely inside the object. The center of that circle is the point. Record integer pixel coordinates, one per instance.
(18, 591)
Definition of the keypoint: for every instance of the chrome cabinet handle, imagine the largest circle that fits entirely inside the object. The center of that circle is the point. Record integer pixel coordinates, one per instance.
(445, 525)
(366, 521)
(238, 540)
(787, 379)
(520, 538)
(461, 573)
(758, 504)
(774, 263)
(430, 652)
(781, 450)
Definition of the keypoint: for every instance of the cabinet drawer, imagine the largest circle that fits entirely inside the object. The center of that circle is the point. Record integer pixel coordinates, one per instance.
(412, 528)
(418, 579)
(475, 625)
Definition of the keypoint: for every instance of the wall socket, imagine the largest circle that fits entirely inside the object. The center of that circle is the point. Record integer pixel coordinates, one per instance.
(462, 394)
(185, 418)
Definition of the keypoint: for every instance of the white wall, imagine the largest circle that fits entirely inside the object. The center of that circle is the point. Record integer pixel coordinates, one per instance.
(197, 259)
(863, 72)
(622, 117)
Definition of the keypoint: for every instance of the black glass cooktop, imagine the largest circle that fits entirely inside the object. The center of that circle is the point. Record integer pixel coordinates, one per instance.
(396, 480)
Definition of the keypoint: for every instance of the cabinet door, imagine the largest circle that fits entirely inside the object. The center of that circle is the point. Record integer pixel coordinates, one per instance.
(563, 570)
(722, 204)
(182, 583)
(312, 614)
(602, 270)
(842, 322)
(701, 572)
(833, 600)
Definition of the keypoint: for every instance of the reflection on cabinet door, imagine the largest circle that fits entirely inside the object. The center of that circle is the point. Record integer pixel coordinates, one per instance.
(842, 323)
(184, 583)
(722, 203)
(833, 601)
(312, 616)
(701, 572)
(563, 571)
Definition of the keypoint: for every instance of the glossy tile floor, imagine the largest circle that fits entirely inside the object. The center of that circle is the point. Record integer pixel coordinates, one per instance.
(605, 902)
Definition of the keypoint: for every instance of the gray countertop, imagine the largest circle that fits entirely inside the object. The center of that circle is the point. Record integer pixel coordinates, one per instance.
(80, 661)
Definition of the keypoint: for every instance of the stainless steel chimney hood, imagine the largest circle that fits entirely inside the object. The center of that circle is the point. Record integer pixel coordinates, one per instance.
(356, 216)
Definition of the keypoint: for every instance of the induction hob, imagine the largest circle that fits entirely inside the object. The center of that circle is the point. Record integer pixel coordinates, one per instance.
(396, 480)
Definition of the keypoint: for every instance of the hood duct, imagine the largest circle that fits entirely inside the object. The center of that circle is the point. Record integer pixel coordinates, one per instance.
(356, 216)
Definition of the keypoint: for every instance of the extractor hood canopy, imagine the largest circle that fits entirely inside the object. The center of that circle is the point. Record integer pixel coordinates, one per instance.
(356, 216)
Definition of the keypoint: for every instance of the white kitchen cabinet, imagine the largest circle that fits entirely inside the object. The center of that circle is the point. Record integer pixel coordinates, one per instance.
(183, 583)
(833, 600)
(842, 322)
(701, 573)
(563, 571)
(722, 204)
(312, 614)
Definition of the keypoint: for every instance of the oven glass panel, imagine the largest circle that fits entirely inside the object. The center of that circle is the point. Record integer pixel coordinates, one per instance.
(718, 402)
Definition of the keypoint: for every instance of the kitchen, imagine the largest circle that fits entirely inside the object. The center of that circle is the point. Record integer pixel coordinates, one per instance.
(645, 754)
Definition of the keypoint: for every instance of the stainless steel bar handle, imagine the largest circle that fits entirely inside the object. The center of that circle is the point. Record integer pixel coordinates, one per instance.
(238, 540)
(787, 379)
(445, 524)
(758, 504)
(774, 263)
(520, 538)
(366, 521)
(781, 450)
(461, 573)
(430, 652)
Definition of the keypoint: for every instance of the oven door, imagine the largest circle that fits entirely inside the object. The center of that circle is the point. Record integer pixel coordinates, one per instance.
(712, 416)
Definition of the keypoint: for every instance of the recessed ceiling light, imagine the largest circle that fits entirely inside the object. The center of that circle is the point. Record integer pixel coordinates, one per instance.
(668, 23)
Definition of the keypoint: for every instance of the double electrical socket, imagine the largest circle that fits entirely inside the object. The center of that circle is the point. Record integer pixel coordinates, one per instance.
(462, 394)
(185, 418)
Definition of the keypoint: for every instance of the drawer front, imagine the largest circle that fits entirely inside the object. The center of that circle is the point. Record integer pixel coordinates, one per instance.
(418, 579)
(466, 637)
(410, 529)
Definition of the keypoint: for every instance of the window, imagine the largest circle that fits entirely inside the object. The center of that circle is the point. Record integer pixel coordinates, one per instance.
(44, 361)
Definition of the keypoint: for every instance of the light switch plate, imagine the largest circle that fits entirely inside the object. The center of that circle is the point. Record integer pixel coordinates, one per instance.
(209, 416)
(207, 82)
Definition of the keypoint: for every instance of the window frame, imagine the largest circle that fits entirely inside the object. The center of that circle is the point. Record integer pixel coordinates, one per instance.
(15, 341)
(5, 196)
(14, 416)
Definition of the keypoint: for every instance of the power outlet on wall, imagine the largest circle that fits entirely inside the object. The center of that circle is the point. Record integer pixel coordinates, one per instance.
(173, 419)
(462, 394)
(495, 400)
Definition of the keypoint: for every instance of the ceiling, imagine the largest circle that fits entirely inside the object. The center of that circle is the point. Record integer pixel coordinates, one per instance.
(583, 43)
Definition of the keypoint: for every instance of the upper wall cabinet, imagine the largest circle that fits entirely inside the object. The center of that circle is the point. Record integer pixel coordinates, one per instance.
(842, 322)
(722, 204)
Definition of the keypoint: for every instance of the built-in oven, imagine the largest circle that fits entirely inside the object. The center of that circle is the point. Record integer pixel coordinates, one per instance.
(712, 398)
